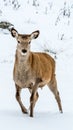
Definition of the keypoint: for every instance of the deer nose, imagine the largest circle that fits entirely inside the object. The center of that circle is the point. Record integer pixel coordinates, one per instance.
(24, 51)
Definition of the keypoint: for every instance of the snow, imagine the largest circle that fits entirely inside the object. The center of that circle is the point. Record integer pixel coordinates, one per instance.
(46, 114)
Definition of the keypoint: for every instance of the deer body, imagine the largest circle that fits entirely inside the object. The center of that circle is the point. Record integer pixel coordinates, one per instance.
(26, 72)
(32, 70)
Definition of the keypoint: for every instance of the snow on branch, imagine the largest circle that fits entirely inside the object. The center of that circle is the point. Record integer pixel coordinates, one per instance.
(14, 3)
(4, 25)
(64, 12)
(55, 53)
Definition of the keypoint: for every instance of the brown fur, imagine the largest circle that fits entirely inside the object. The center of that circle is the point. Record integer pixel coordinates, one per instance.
(33, 70)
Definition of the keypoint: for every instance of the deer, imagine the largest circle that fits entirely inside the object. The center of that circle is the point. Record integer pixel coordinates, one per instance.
(33, 70)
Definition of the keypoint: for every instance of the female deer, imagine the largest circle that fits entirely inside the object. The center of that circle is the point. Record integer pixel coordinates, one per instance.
(32, 70)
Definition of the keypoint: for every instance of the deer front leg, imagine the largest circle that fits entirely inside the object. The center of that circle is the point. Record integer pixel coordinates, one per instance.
(36, 96)
(18, 90)
(33, 99)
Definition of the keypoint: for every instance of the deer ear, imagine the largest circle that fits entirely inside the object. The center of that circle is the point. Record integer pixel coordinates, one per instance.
(14, 32)
(35, 34)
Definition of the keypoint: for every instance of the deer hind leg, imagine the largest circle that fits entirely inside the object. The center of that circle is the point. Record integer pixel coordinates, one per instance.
(53, 87)
(18, 90)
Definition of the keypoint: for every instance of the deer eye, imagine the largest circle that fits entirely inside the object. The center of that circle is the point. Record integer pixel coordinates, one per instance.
(18, 41)
(29, 42)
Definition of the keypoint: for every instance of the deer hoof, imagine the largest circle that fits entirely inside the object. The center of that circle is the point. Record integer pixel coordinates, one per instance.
(25, 111)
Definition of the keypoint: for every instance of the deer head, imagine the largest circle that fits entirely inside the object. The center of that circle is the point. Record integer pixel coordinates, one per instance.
(24, 40)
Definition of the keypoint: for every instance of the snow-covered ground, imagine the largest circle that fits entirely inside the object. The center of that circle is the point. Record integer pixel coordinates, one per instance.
(27, 19)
